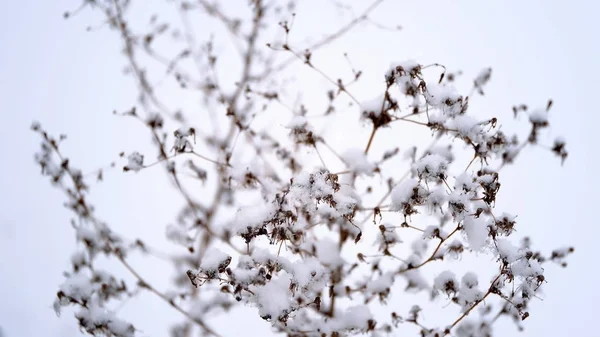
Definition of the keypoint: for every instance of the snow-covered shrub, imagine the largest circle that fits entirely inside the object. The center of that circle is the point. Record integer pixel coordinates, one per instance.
(320, 244)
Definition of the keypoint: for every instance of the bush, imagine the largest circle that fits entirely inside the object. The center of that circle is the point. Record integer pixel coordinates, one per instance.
(317, 233)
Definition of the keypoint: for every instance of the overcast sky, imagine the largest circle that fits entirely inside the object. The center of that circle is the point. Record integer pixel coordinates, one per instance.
(53, 71)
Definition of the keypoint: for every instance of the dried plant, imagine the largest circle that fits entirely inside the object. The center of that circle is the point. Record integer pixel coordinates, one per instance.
(278, 217)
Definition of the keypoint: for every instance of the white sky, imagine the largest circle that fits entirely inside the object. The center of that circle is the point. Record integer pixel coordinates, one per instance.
(55, 72)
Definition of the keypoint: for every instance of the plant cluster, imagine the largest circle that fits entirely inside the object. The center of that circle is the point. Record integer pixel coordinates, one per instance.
(313, 236)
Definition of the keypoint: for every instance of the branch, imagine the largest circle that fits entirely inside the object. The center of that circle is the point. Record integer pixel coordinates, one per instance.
(146, 285)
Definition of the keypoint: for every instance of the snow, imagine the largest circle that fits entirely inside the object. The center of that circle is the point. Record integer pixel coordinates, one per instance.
(469, 280)
(527, 268)
(274, 298)
(245, 271)
(465, 182)
(375, 105)
(470, 328)
(455, 248)
(437, 198)
(387, 238)
(264, 256)
(79, 259)
(468, 292)
(346, 200)
(506, 250)
(94, 318)
(381, 284)
(155, 120)
(310, 273)
(482, 79)
(438, 118)
(538, 117)
(446, 282)
(444, 97)
(252, 216)
(214, 259)
(181, 142)
(404, 75)
(477, 232)
(467, 127)
(135, 162)
(78, 286)
(419, 246)
(459, 205)
(402, 194)
(357, 161)
(444, 151)
(328, 253)
(407, 66)
(415, 279)
(297, 122)
(431, 166)
(179, 235)
(356, 317)
(434, 231)
(311, 191)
